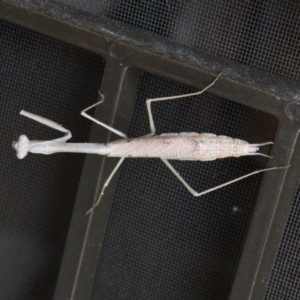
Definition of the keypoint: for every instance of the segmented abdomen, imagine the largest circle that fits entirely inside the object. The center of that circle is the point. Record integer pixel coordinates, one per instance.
(181, 146)
(211, 147)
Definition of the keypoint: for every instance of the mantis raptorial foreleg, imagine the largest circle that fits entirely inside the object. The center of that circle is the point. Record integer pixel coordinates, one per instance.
(50, 124)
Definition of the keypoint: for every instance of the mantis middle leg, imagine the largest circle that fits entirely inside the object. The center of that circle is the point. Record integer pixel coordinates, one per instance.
(120, 133)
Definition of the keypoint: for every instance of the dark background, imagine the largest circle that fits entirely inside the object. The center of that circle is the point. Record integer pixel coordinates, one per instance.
(152, 239)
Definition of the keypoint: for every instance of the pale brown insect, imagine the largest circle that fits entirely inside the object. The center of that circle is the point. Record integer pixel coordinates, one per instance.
(168, 146)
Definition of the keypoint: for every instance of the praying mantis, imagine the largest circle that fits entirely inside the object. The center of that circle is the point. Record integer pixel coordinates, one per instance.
(189, 146)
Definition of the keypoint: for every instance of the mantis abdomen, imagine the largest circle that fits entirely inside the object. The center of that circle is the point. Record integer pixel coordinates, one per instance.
(182, 146)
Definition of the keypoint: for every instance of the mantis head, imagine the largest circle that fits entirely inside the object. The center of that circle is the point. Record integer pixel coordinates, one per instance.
(21, 146)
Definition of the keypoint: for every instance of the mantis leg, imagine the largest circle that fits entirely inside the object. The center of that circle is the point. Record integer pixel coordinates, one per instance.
(84, 114)
(196, 194)
(149, 101)
(123, 135)
(106, 183)
(50, 124)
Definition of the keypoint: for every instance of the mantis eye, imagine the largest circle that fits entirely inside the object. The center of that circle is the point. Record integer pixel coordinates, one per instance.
(21, 146)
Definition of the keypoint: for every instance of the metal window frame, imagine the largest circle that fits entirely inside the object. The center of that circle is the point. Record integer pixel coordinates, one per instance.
(127, 52)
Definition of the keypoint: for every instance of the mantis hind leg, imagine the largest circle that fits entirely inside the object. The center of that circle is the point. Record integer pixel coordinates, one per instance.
(197, 194)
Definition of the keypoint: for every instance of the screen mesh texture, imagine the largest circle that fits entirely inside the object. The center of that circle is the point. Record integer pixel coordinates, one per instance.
(262, 34)
(284, 282)
(161, 242)
(55, 80)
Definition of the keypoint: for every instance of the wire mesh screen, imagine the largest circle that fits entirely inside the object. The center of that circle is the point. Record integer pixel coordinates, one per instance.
(284, 283)
(156, 246)
(56, 80)
(161, 242)
(263, 34)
